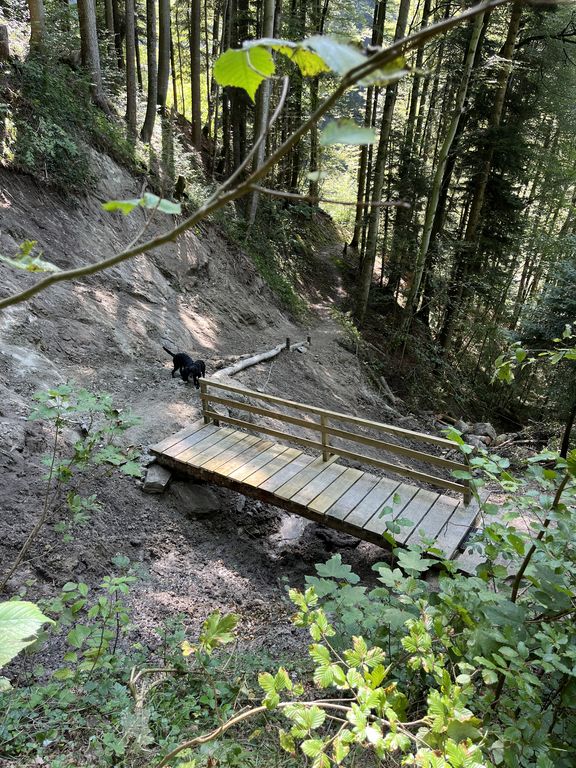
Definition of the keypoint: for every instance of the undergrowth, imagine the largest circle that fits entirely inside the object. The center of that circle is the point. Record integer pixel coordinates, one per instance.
(49, 124)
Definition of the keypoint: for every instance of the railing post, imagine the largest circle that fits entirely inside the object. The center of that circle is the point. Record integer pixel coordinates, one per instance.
(204, 398)
(467, 492)
(325, 443)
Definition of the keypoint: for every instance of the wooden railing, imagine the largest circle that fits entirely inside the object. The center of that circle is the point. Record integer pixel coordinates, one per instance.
(326, 431)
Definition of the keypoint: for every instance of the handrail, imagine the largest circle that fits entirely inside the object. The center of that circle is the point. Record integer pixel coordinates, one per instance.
(326, 431)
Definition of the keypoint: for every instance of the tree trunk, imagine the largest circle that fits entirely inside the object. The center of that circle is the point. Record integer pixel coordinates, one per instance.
(89, 51)
(369, 119)
(151, 39)
(109, 18)
(379, 173)
(137, 51)
(163, 53)
(318, 19)
(173, 71)
(4, 43)
(130, 70)
(37, 25)
(119, 29)
(195, 72)
(262, 105)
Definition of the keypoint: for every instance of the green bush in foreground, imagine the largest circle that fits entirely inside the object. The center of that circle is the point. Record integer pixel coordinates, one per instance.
(479, 673)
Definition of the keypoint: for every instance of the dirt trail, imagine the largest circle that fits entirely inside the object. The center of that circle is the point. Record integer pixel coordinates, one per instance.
(106, 334)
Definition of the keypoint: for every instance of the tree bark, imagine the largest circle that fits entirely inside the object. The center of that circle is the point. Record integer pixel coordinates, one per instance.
(4, 43)
(262, 105)
(163, 53)
(89, 51)
(195, 73)
(130, 70)
(37, 25)
(369, 120)
(152, 85)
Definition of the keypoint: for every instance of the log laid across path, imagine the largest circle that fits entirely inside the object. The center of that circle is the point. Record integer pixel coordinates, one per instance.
(315, 484)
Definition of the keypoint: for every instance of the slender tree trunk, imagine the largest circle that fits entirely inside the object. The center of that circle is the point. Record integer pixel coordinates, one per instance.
(401, 244)
(37, 25)
(137, 51)
(318, 19)
(195, 74)
(379, 172)
(89, 51)
(369, 119)
(119, 27)
(163, 53)
(4, 43)
(130, 70)
(109, 18)
(173, 71)
(180, 70)
(152, 85)
(262, 105)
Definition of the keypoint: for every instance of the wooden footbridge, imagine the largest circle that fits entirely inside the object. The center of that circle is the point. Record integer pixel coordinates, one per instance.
(316, 485)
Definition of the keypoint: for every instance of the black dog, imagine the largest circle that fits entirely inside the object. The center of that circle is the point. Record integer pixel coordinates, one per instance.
(187, 367)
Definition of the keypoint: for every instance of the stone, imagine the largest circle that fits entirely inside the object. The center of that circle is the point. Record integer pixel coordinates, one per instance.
(157, 479)
(462, 427)
(484, 428)
(12, 435)
(196, 499)
(475, 440)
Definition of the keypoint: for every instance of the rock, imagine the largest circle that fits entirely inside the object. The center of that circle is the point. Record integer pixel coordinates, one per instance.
(157, 479)
(12, 435)
(196, 499)
(337, 539)
(462, 427)
(484, 429)
(475, 440)
(505, 437)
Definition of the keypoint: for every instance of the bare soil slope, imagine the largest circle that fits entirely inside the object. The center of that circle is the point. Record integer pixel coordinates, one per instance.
(105, 333)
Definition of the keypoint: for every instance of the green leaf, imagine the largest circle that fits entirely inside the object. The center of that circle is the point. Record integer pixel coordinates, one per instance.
(266, 682)
(217, 630)
(131, 468)
(312, 747)
(335, 569)
(19, 623)
(339, 57)
(156, 203)
(309, 63)
(389, 73)
(124, 206)
(287, 742)
(244, 68)
(24, 259)
(412, 561)
(345, 131)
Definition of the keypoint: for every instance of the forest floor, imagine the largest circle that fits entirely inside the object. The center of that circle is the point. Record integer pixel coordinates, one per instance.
(106, 333)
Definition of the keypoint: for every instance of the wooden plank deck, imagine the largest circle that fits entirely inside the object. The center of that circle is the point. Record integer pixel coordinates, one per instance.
(325, 491)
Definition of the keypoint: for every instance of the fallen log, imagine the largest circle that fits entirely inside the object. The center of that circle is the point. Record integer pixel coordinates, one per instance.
(258, 358)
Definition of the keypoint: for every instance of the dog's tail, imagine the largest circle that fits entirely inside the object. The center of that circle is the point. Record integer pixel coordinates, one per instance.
(167, 350)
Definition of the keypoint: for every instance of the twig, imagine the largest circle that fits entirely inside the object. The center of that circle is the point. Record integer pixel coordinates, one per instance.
(310, 199)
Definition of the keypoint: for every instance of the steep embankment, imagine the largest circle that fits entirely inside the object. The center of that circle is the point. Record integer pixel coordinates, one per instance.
(106, 333)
